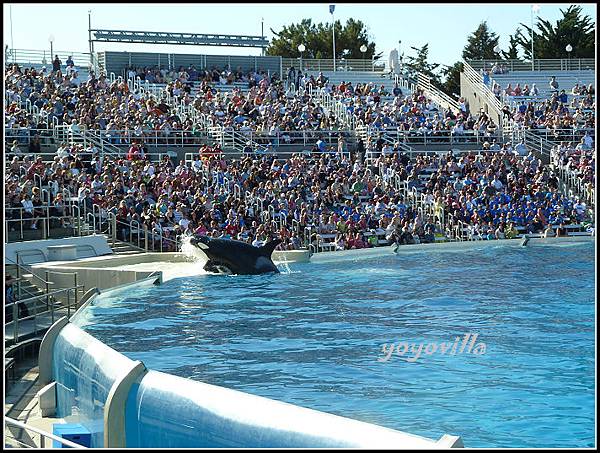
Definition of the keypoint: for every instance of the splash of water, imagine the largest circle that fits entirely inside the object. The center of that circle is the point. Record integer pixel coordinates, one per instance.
(194, 266)
(283, 265)
(191, 252)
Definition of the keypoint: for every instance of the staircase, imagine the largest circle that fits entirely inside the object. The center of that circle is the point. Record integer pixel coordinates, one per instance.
(26, 289)
(123, 248)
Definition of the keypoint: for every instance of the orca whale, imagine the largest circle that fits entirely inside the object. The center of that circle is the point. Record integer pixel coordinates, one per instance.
(227, 256)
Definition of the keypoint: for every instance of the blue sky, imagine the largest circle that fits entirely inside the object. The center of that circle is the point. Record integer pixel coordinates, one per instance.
(444, 26)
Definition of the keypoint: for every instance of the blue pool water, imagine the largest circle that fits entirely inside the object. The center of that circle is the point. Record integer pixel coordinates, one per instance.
(313, 337)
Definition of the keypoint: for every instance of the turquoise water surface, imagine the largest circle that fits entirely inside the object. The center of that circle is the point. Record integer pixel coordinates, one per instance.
(313, 335)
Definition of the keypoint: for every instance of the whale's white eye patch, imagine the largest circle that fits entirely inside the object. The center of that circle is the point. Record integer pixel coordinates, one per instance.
(203, 246)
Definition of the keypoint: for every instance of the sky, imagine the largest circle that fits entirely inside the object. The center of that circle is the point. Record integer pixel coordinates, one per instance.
(444, 26)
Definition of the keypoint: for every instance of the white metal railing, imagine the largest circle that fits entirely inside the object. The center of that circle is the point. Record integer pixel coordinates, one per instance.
(475, 79)
(45, 220)
(11, 424)
(514, 101)
(573, 181)
(557, 64)
(326, 64)
(43, 57)
(435, 94)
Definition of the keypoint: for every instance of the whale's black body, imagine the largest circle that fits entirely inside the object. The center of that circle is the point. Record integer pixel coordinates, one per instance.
(236, 257)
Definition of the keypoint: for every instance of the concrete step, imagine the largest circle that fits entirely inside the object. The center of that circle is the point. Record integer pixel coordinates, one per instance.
(129, 252)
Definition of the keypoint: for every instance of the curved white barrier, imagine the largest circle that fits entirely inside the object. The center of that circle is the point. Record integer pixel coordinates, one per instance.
(170, 411)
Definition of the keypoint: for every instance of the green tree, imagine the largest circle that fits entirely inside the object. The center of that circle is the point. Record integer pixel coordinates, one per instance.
(480, 44)
(513, 49)
(419, 63)
(451, 84)
(317, 38)
(550, 40)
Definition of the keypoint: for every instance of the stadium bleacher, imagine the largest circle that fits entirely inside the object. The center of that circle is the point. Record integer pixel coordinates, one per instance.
(378, 181)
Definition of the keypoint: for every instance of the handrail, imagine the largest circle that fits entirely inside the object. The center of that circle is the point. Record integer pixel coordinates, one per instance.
(43, 434)
(436, 94)
(476, 81)
(48, 296)
(25, 268)
(50, 293)
(547, 64)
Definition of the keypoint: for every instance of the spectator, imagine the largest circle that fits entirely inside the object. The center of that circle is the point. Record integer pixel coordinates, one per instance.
(553, 84)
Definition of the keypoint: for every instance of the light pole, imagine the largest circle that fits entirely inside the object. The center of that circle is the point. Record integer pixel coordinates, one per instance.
(363, 49)
(51, 39)
(262, 33)
(301, 49)
(569, 49)
(534, 9)
(331, 10)
(12, 43)
(400, 56)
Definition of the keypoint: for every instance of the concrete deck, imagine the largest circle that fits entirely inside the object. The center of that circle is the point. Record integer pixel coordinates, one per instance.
(21, 404)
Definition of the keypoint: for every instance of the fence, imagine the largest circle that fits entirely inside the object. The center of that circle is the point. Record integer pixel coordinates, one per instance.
(515, 101)
(573, 182)
(51, 304)
(313, 64)
(561, 64)
(43, 57)
(47, 220)
(442, 137)
(13, 440)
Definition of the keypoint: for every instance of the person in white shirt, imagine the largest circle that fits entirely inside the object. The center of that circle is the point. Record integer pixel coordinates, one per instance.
(28, 210)
(181, 168)
(74, 127)
(197, 165)
(149, 169)
(579, 207)
(63, 151)
(183, 223)
(549, 232)
(534, 90)
(75, 80)
(497, 183)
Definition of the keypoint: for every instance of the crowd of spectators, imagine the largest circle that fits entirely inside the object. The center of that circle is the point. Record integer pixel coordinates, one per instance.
(340, 195)
(307, 198)
(191, 75)
(499, 192)
(411, 114)
(578, 161)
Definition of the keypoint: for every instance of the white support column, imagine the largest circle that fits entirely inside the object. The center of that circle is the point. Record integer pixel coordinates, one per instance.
(114, 409)
(46, 348)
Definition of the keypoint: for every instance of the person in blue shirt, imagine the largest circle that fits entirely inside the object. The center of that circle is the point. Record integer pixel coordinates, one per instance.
(562, 97)
(486, 77)
(321, 145)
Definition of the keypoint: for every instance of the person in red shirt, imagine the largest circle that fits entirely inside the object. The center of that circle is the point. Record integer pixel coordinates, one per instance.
(232, 228)
(134, 152)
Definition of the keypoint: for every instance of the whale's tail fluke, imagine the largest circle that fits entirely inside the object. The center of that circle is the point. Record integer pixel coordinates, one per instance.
(267, 249)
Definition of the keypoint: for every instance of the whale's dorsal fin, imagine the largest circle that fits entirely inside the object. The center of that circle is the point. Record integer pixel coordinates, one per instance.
(267, 249)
